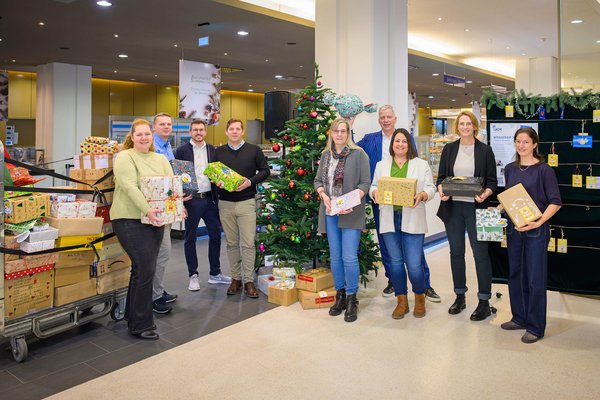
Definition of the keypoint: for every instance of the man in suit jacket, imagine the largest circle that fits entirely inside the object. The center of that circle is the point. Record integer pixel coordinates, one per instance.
(203, 205)
(377, 145)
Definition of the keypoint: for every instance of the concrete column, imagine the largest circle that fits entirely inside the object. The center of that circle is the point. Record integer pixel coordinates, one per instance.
(63, 110)
(538, 75)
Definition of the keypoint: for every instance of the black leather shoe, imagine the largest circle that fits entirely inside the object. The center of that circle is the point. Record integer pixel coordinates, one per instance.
(146, 335)
(351, 308)
(482, 311)
(458, 306)
(389, 290)
(340, 303)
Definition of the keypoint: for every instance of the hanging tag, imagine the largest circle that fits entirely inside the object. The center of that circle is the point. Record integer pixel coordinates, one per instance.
(592, 182)
(562, 113)
(509, 111)
(583, 140)
(552, 244)
(596, 116)
(552, 158)
(561, 246)
(542, 111)
(577, 178)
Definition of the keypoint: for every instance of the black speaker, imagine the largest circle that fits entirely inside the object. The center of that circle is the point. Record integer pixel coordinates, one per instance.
(278, 110)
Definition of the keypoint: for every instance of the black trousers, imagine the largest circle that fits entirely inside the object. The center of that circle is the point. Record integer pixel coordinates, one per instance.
(141, 243)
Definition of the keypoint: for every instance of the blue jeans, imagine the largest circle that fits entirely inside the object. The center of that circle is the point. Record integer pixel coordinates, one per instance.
(463, 217)
(385, 257)
(343, 254)
(207, 210)
(406, 253)
(528, 276)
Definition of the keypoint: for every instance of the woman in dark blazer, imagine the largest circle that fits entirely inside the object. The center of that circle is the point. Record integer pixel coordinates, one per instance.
(467, 157)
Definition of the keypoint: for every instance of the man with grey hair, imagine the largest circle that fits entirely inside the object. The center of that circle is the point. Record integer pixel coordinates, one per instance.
(377, 145)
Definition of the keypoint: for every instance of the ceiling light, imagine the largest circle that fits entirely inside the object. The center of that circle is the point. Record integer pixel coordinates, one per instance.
(116, 35)
(523, 54)
(251, 90)
(577, 21)
(507, 47)
(597, 41)
(242, 33)
(430, 97)
(115, 71)
(435, 74)
(104, 3)
(132, 79)
(14, 60)
(440, 19)
(19, 75)
(175, 45)
(0, 39)
(224, 54)
(156, 76)
(467, 29)
(41, 23)
(278, 76)
(453, 100)
(266, 60)
(123, 56)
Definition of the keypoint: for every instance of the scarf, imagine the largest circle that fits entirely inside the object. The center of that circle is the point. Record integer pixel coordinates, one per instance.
(338, 174)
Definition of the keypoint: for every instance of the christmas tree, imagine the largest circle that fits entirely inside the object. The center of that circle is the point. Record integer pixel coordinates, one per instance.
(288, 212)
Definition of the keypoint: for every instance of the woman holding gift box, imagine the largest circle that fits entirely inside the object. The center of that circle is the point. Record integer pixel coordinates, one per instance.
(140, 241)
(344, 167)
(467, 157)
(403, 227)
(527, 246)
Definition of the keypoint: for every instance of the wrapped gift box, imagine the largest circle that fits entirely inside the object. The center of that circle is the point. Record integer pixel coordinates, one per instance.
(462, 186)
(26, 208)
(490, 225)
(345, 201)
(89, 174)
(64, 210)
(519, 206)
(218, 172)
(161, 187)
(170, 210)
(284, 272)
(396, 191)
(264, 281)
(87, 209)
(314, 280)
(96, 139)
(10, 242)
(186, 170)
(30, 263)
(62, 197)
(321, 299)
(110, 147)
(32, 247)
(28, 291)
(283, 293)
(95, 161)
(47, 234)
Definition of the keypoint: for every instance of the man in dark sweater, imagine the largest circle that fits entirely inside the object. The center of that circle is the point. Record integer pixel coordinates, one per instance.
(238, 209)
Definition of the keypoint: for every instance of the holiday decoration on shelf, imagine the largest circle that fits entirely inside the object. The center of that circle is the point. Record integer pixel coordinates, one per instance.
(291, 217)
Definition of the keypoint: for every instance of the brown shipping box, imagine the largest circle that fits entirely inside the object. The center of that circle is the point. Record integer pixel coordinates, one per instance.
(109, 251)
(10, 242)
(89, 174)
(323, 299)
(113, 264)
(396, 191)
(113, 281)
(69, 294)
(76, 226)
(284, 296)
(314, 280)
(74, 259)
(28, 294)
(70, 276)
(519, 206)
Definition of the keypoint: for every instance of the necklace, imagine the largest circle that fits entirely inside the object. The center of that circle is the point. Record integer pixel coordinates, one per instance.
(524, 169)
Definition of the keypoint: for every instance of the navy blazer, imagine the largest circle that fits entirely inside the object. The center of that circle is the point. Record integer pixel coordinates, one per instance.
(485, 167)
(185, 152)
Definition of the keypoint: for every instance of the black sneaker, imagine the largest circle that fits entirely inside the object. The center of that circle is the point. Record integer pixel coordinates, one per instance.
(169, 298)
(431, 295)
(389, 290)
(160, 306)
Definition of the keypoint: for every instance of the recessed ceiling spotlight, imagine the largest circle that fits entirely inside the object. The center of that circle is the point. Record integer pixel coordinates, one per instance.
(224, 54)
(156, 76)
(123, 56)
(251, 90)
(19, 75)
(435, 74)
(453, 100)
(507, 47)
(278, 76)
(116, 35)
(469, 81)
(41, 23)
(132, 79)
(14, 60)
(175, 45)
(250, 85)
(597, 41)
(242, 33)
(440, 19)
(577, 21)
(0, 39)
(302, 66)
(104, 3)
(430, 97)
(467, 29)
(115, 71)
(523, 54)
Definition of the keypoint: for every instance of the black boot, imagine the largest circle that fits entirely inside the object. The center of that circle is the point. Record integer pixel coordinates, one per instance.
(351, 308)
(482, 311)
(458, 306)
(340, 303)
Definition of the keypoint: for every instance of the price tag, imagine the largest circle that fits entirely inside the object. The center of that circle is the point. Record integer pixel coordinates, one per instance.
(596, 116)
(561, 246)
(577, 181)
(552, 244)
(509, 111)
(553, 160)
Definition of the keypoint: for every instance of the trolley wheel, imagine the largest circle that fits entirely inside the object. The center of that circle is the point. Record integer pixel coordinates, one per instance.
(117, 312)
(19, 348)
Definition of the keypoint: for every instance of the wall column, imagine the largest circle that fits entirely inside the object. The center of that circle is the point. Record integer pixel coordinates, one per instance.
(538, 75)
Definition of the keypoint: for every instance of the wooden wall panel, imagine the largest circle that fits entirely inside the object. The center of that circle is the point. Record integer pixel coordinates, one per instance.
(121, 98)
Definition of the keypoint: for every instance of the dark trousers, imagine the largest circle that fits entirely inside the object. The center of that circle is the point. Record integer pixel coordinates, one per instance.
(528, 276)
(207, 210)
(141, 243)
(385, 256)
(462, 216)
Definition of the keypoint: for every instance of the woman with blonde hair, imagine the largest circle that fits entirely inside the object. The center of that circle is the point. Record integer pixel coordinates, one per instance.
(140, 241)
(343, 168)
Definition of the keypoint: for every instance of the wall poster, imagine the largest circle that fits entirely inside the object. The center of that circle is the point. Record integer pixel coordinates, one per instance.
(503, 144)
(199, 91)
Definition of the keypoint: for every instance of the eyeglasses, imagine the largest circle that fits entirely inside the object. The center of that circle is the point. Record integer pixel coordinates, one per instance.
(340, 131)
(198, 130)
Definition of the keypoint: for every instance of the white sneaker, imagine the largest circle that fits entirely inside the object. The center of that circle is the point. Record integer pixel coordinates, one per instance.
(194, 285)
(219, 279)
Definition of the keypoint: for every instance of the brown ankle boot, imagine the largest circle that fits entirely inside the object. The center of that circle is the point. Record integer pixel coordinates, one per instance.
(419, 311)
(401, 308)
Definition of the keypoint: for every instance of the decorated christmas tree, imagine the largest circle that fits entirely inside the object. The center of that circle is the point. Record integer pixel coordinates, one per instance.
(288, 206)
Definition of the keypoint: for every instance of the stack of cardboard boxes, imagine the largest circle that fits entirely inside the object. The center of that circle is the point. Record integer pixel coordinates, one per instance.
(315, 288)
(279, 286)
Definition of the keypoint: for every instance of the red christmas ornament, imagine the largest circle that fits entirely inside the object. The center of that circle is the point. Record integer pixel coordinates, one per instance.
(307, 235)
(318, 83)
(292, 142)
(276, 147)
(282, 195)
(300, 171)
(304, 96)
(268, 217)
(305, 126)
(288, 162)
(282, 228)
(285, 137)
(313, 114)
(292, 184)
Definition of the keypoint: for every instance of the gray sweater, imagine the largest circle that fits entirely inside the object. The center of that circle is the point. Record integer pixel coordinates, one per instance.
(356, 176)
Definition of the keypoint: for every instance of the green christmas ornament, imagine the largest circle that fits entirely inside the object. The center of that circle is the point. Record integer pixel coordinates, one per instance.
(298, 147)
(273, 196)
(298, 239)
(322, 137)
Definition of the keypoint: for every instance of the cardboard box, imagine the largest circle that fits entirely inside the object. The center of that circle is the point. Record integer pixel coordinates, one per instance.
(10, 242)
(89, 174)
(345, 202)
(264, 281)
(314, 280)
(74, 259)
(42, 204)
(396, 191)
(71, 276)
(283, 293)
(32, 247)
(105, 184)
(36, 261)
(284, 272)
(97, 161)
(322, 299)
(489, 225)
(519, 205)
(112, 264)
(47, 234)
(65, 241)
(76, 226)
(112, 281)
(462, 186)
(107, 251)
(71, 293)
(28, 294)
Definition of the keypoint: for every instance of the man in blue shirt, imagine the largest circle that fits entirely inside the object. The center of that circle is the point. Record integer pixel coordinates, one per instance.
(377, 145)
(162, 126)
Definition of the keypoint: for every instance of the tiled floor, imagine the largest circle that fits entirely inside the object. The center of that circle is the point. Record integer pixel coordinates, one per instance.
(84, 353)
